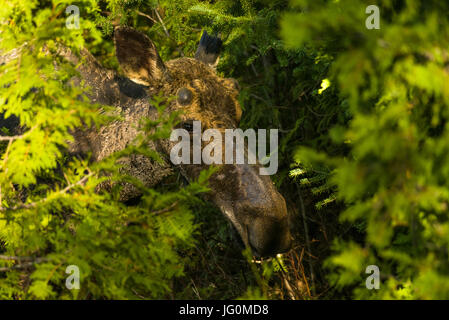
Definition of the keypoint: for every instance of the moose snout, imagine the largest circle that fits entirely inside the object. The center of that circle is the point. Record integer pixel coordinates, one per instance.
(255, 208)
(268, 236)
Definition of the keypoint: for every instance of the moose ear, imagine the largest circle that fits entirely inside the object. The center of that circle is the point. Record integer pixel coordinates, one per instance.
(209, 50)
(138, 56)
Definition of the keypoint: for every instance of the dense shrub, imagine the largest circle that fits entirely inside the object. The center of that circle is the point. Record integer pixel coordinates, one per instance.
(363, 149)
(391, 173)
(50, 216)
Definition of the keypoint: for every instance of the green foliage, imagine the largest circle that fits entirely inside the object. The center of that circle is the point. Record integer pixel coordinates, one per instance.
(280, 89)
(50, 215)
(391, 172)
(363, 153)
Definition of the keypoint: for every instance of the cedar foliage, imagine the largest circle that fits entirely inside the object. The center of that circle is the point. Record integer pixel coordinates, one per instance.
(50, 216)
(391, 175)
(363, 149)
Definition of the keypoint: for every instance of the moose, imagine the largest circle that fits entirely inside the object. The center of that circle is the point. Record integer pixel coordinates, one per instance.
(249, 200)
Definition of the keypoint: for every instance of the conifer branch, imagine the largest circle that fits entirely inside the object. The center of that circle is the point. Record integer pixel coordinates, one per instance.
(24, 262)
(146, 16)
(162, 23)
(61, 192)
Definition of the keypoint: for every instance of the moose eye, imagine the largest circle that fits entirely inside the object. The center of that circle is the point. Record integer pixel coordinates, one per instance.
(184, 96)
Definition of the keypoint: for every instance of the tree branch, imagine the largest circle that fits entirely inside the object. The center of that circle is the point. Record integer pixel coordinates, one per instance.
(35, 204)
(306, 233)
(146, 16)
(12, 138)
(162, 23)
(24, 262)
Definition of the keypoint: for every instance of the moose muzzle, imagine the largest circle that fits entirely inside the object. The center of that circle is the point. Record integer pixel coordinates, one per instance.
(254, 206)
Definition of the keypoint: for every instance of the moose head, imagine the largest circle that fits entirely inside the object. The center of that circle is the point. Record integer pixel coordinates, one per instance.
(249, 200)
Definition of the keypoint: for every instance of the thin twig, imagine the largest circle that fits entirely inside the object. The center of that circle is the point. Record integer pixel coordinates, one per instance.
(146, 16)
(306, 232)
(301, 267)
(12, 138)
(24, 262)
(16, 258)
(316, 113)
(195, 290)
(166, 31)
(17, 266)
(285, 279)
(5, 159)
(162, 23)
(34, 204)
(289, 289)
(168, 209)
